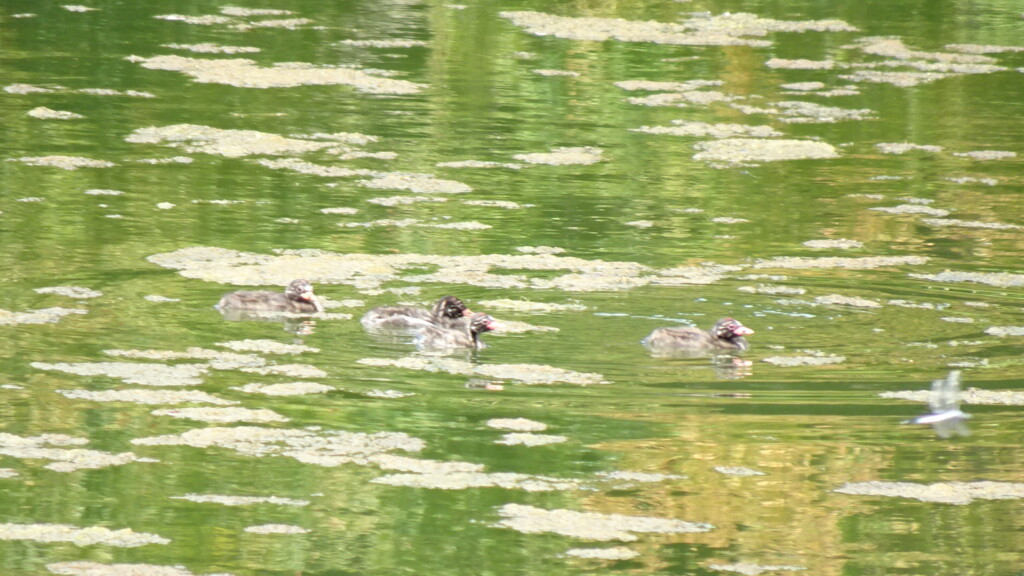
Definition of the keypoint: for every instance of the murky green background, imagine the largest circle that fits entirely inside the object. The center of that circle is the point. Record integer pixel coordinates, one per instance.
(808, 428)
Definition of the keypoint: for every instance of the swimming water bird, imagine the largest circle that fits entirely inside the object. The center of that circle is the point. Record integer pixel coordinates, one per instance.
(464, 333)
(727, 335)
(297, 298)
(946, 418)
(445, 313)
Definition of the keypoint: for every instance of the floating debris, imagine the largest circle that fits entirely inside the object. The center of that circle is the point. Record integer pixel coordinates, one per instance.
(83, 568)
(944, 492)
(78, 8)
(969, 396)
(517, 424)
(124, 538)
(416, 183)
(479, 164)
(1003, 331)
(69, 460)
(864, 263)
(614, 553)
(389, 43)
(737, 471)
(549, 72)
(211, 48)
(773, 290)
(63, 162)
(246, 73)
(218, 359)
(285, 389)
(506, 204)
(530, 439)
(44, 113)
(800, 64)
(748, 150)
(972, 180)
(838, 243)
(340, 210)
(640, 223)
(986, 154)
(101, 192)
(528, 306)
(583, 155)
(195, 138)
(809, 112)
(912, 209)
(266, 347)
(904, 147)
(726, 29)
(389, 394)
(940, 222)
(821, 360)
(404, 200)
(522, 373)
(147, 396)
(447, 480)
(41, 316)
(1000, 279)
(590, 525)
(158, 298)
(729, 220)
(222, 415)
(704, 129)
(227, 500)
(322, 448)
(8, 473)
(840, 300)
(76, 292)
(146, 374)
(751, 569)
(276, 529)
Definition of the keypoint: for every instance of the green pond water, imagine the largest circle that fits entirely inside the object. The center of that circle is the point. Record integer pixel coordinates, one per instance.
(844, 178)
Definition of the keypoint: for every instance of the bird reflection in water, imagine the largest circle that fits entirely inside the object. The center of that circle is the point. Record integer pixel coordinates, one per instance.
(946, 418)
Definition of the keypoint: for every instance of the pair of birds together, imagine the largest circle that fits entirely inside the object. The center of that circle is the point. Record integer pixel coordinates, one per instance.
(451, 324)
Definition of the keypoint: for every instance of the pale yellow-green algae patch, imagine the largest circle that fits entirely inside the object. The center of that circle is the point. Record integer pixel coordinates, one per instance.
(211, 48)
(582, 155)
(817, 359)
(63, 162)
(726, 29)
(145, 374)
(416, 183)
(195, 138)
(63, 460)
(152, 397)
(751, 569)
(773, 290)
(999, 279)
(8, 473)
(321, 448)
(276, 529)
(837, 243)
(523, 373)
(810, 113)
(517, 424)
(421, 466)
(733, 151)
(737, 471)
(479, 164)
(986, 154)
(368, 272)
(246, 73)
(613, 553)
(863, 263)
(285, 388)
(943, 492)
(840, 300)
(969, 396)
(590, 525)
(904, 147)
(687, 128)
(266, 347)
(550, 72)
(223, 415)
(1004, 331)
(44, 113)
(392, 201)
(229, 500)
(388, 43)
(40, 316)
(290, 370)
(76, 292)
(84, 568)
(529, 306)
(446, 480)
(92, 535)
(800, 64)
(530, 439)
(217, 359)
(912, 209)
(956, 223)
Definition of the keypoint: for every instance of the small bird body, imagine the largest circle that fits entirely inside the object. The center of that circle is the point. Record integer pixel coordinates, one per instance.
(946, 417)
(461, 334)
(727, 335)
(297, 298)
(445, 312)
